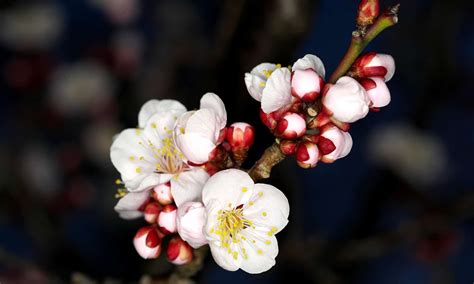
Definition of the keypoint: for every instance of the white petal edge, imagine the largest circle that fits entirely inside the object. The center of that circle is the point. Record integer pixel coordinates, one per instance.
(127, 206)
(156, 106)
(229, 186)
(277, 92)
(195, 147)
(310, 61)
(188, 186)
(214, 102)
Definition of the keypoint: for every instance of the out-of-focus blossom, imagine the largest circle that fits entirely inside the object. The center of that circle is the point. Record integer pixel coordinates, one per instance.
(179, 252)
(31, 26)
(120, 12)
(40, 169)
(242, 220)
(346, 101)
(96, 141)
(417, 156)
(78, 88)
(190, 223)
(197, 133)
(127, 49)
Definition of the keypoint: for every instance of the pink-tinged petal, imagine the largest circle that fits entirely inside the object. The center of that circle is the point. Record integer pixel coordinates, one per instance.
(306, 85)
(291, 126)
(205, 123)
(155, 106)
(310, 61)
(187, 186)
(213, 102)
(277, 93)
(307, 155)
(190, 222)
(167, 219)
(377, 91)
(162, 193)
(230, 186)
(179, 252)
(128, 206)
(195, 147)
(347, 100)
(147, 242)
(385, 61)
(340, 139)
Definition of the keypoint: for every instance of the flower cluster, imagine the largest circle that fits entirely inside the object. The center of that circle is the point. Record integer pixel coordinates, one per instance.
(179, 171)
(310, 117)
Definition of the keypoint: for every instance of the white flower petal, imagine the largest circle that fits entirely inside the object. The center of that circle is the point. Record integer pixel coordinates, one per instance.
(195, 147)
(260, 255)
(230, 186)
(257, 78)
(205, 123)
(213, 102)
(155, 106)
(161, 125)
(126, 152)
(277, 92)
(127, 207)
(270, 208)
(187, 186)
(310, 61)
(222, 258)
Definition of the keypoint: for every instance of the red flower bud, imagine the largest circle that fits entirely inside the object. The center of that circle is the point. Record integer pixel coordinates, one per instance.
(374, 65)
(291, 126)
(147, 242)
(307, 155)
(179, 252)
(151, 212)
(162, 193)
(240, 135)
(288, 147)
(368, 11)
(167, 219)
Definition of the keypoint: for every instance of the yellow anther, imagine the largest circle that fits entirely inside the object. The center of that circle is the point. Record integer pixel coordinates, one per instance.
(138, 170)
(244, 189)
(259, 251)
(267, 242)
(118, 181)
(132, 158)
(260, 194)
(153, 125)
(138, 131)
(264, 214)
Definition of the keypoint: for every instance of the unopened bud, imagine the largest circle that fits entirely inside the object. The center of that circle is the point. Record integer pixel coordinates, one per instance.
(347, 100)
(240, 135)
(374, 65)
(306, 85)
(307, 155)
(291, 126)
(167, 219)
(179, 252)
(377, 91)
(334, 143)
(368, 11)
(288, 147)
(147, 242)
(151, 212)
(162, 193)
(319, 121)
(190, 223)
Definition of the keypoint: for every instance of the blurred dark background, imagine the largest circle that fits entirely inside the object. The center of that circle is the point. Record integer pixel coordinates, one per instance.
(398, 209)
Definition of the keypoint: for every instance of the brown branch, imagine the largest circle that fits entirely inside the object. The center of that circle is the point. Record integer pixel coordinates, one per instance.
(263, 167)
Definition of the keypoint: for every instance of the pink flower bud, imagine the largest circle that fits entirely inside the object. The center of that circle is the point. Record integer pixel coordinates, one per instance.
(162, 193)
(377, 91)
(368, 11)
(306, 84)
(307, 155)
(240, 135)
(147, 242)
(291, 126)
(190, 223)
(334, 143)
(288, 147)
(374, 65)
(179, 252)
(167, 219)
(346, 101)
(151, 212)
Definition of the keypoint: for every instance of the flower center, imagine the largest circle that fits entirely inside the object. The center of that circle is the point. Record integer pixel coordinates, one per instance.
(231, 223)
(168, 158)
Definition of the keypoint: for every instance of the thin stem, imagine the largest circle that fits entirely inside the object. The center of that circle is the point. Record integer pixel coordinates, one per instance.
(360, 39)
(263, 167)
